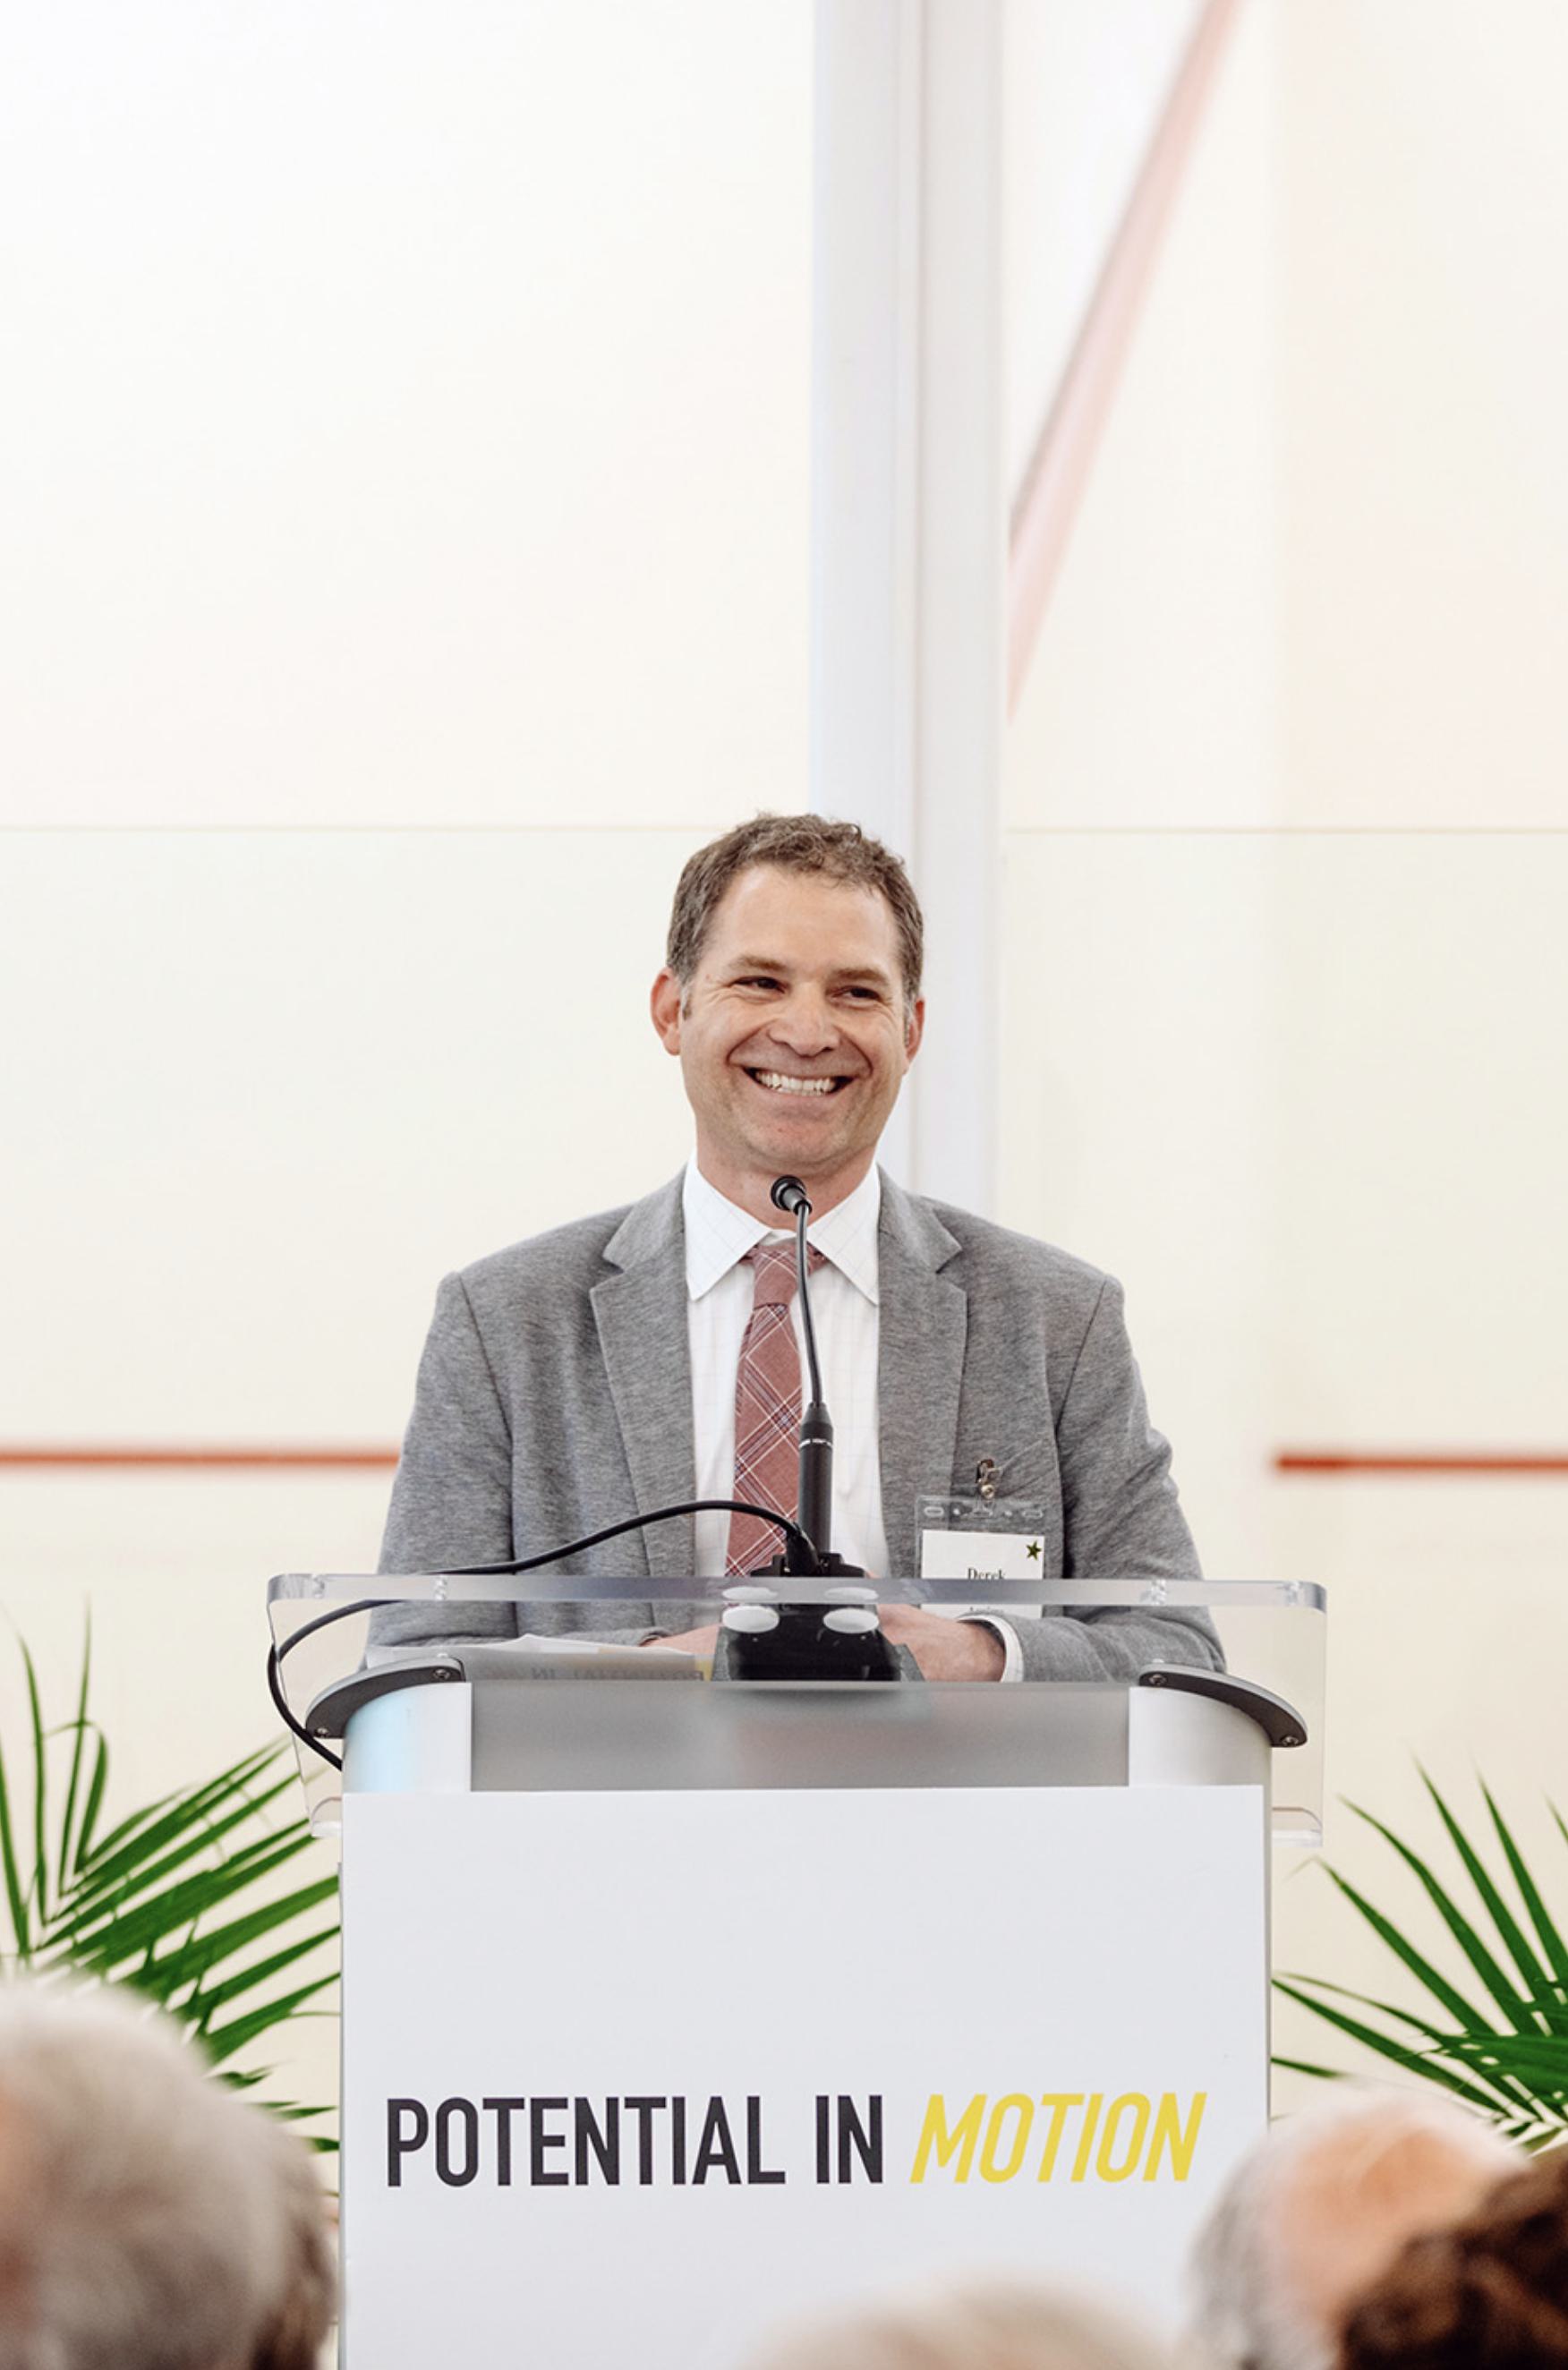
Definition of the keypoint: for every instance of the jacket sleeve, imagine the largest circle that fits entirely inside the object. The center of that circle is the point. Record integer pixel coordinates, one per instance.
(452, 1497)
(1121, 1519)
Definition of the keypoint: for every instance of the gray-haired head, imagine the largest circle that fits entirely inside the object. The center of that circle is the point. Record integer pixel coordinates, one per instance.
(976, 2325)
(1317, 2210)
(150, 2219)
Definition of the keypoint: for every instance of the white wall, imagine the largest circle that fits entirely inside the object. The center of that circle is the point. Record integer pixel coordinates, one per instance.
(404, 453)
(1425, 1151)
(1425, 357)
(1083, 89)
(404, 423)
(284, 1081)
(1140, 765)
(1283, 970)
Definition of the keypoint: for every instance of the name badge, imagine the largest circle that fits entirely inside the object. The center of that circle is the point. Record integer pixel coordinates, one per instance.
(980, 1537)
(979, 1555)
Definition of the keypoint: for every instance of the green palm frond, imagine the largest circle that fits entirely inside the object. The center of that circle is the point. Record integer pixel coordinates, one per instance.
(1430, 2063)
(1544, 2062)
(1547, 1931)
(176, 1901)
(1545, 2002)
(1503, 2048)
(78, 1733)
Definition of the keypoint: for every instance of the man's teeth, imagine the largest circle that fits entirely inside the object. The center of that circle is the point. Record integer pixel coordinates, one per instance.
(783, 1084)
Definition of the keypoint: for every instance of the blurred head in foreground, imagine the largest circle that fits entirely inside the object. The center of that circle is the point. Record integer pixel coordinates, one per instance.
(973, 2327)
(1489, 2294)
(1320, 2209)
(149, 2218)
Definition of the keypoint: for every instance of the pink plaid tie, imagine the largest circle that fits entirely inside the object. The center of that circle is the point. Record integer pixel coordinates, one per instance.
(768, 1408)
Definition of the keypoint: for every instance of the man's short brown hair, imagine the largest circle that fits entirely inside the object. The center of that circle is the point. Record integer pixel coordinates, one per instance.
(799, 843)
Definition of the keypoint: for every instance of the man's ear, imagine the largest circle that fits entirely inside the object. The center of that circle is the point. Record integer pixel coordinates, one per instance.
(664, 1004)
(913, 1029)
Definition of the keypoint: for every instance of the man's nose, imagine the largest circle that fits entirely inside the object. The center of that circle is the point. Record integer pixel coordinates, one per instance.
(805, 1023)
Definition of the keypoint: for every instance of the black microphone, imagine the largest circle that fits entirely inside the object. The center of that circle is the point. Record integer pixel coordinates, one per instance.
(815, 1503)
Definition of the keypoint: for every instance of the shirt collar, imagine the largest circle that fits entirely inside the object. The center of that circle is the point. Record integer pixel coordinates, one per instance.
(717, 1233)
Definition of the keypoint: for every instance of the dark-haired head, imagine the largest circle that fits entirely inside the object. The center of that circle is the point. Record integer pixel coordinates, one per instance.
(1491, 2292)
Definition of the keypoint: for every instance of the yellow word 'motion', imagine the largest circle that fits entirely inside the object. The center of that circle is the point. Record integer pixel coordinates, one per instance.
(1133, 2134)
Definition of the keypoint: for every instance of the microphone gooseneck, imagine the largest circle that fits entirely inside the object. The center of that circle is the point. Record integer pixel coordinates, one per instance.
(814, 1490)
(787, 1193)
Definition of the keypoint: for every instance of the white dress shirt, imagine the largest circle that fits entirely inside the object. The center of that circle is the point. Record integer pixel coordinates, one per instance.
(845, 1305)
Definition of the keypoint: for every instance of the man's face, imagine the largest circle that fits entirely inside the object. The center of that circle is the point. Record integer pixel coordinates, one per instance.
(794, 1035)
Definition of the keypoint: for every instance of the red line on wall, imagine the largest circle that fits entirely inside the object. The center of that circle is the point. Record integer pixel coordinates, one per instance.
(1348, 1460)
(43, 1456)
(237, 1459)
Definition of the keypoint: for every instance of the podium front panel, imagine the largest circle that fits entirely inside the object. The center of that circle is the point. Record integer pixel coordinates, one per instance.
(641, 2075)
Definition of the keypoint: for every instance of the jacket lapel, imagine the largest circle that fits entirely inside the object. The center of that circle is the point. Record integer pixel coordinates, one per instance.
(641, 1313)
(924, 1323)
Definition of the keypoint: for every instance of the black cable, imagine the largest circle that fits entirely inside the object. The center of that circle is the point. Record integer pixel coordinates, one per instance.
(793, 1532)
(276, 1653)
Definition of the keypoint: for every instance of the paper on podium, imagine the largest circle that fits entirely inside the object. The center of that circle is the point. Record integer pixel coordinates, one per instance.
(578, 1658)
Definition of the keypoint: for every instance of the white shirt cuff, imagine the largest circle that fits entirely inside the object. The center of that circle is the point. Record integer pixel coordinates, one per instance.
(1012, 1668)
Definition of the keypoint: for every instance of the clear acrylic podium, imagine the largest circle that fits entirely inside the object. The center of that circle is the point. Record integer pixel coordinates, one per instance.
(673, 2007)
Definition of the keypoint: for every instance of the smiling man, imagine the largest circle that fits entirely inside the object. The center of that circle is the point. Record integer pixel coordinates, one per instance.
(638, 1359)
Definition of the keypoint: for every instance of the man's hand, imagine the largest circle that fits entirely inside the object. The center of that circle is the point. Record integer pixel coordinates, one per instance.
(944, 1649)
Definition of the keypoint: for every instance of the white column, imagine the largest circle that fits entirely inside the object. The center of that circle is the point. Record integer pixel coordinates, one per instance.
(908, 545)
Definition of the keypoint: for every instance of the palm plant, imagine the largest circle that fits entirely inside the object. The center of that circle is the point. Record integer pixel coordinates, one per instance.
(165, 1899)
(1503, 2048)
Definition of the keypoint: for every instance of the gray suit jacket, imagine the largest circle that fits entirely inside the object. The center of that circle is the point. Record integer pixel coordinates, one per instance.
(554, 1397)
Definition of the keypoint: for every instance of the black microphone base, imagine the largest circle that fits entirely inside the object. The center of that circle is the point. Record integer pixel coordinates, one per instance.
(825, 1566)
(796, 1654)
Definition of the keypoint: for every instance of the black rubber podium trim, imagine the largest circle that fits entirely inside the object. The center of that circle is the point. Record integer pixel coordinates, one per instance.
(1280, 1722)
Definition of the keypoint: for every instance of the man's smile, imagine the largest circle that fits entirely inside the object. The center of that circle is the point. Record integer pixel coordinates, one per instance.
(786, 1081)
